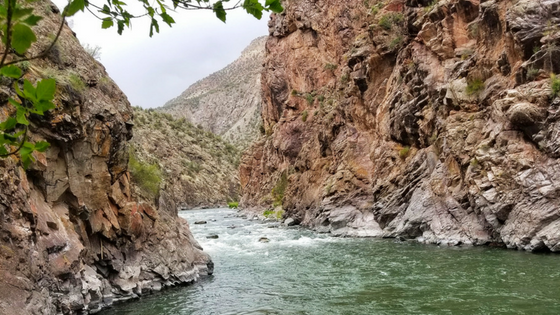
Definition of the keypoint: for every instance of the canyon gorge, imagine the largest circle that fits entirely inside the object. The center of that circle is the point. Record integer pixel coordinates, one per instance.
(416, 120)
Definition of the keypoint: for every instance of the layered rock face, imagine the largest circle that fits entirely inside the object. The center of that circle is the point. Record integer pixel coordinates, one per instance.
(428, 120)
(228, 102)
(73, 237)
(198, 168)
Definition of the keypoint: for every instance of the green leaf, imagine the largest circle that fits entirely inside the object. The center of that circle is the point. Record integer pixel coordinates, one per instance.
(46, 89)
(8, 124)
(107, 22)
(29, 91)
(120, 27)
(19, 13)
(25, 153)
(73, 7)
(21, 116)
(152, 26)
(167, 19)
(22, 38)
(254, 8)
(11, 72)
(42, 146)
(32, 20)
(274, 5)
(43, 106)
(219, 10)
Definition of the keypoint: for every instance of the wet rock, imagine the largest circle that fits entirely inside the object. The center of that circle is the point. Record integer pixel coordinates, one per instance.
(290, 222)
(264, 240)
(213, 236)
(200, 222)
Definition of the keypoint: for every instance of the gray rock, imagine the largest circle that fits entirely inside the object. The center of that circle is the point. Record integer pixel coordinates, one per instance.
(290, 222)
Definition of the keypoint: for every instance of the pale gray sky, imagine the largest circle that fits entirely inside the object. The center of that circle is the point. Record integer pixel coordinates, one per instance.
(152, 71)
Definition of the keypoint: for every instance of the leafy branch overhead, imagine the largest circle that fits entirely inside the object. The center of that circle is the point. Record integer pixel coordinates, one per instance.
(16, 30)
(115, 12)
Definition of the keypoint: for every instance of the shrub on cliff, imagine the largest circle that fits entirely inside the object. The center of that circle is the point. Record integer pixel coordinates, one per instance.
(279, 190)
(555, 85)
(146, 176)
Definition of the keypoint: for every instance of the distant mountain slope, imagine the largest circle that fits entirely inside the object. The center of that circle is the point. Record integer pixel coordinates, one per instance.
(227, 102)
(194, 167)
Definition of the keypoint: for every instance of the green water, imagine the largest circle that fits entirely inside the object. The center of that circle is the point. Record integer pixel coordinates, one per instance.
(301, 272)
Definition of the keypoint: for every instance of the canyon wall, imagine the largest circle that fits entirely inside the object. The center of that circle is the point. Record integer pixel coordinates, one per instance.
(196, 167)
(228, 102)
(429, 120)
(74, 237)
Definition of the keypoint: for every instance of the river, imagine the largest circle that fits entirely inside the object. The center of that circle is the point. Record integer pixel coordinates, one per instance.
(302, 272)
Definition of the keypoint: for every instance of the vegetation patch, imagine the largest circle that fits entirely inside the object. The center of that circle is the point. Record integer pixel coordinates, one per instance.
(233, 204)
(475, 86)
(146, 176)
(532, 73)
(404, 152)
(555, 85)
(76, 82)
(397, 41)
(330, 66)
(279, 190)
(304, 116)
(388, 20)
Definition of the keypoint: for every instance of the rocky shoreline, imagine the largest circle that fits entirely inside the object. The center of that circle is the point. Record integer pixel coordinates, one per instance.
(417, 119)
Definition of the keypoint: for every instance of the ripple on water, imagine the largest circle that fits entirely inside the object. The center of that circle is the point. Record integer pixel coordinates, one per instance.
(300, 272)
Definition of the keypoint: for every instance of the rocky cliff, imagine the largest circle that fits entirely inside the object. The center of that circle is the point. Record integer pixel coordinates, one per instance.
(227, 102)
(74, 237)
(428, 120)
(196, 167)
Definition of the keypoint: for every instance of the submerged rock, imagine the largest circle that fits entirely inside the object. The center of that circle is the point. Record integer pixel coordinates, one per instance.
(200, 222)
(213, 236)
(264, 240)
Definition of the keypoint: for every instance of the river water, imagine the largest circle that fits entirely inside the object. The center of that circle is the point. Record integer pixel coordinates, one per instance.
(301, 272)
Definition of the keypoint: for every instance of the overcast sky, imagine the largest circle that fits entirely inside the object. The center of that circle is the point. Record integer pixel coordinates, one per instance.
(152, 71)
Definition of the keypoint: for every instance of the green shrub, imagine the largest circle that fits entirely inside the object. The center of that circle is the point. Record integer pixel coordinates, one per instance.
(474, 86)
(330, 66)
(146, 176)
(233, 204)
(555, 85)
(279, 190)
(268, 213)
(304, 116)
(403, 153)
(310, 98)
(397, 41)
(385, 22)
(76, 82)
(532, 73)
(430, 6)
(375, 9)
